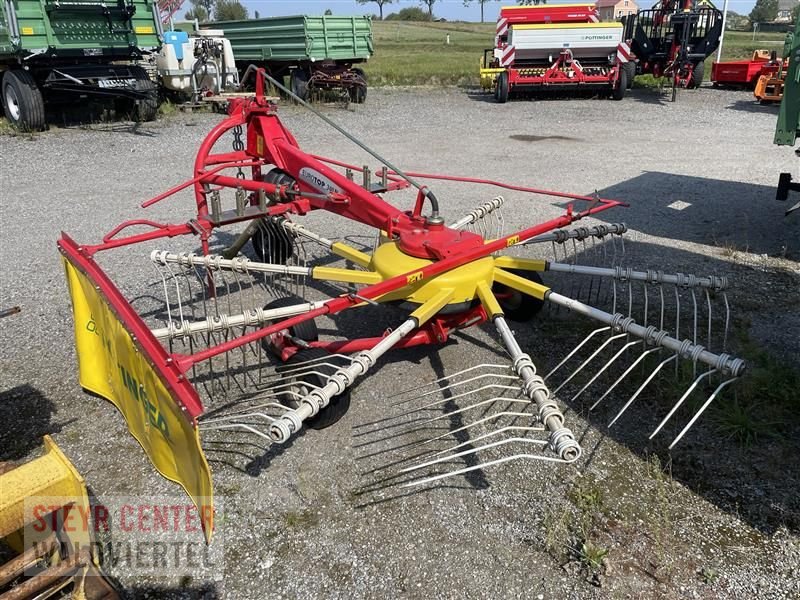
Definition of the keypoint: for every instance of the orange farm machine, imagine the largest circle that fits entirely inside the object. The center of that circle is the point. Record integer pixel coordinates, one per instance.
(556, 48)
(215, 342)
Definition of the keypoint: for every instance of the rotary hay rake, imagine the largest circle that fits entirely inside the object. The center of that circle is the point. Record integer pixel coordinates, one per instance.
(193, 350)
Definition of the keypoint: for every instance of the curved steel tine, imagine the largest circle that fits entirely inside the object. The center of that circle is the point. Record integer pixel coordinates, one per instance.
(694, 334)
(244, 426)
(641, 387)
(217, 420)
(625, 374)
(702, 409)
(510, 440)
(476, 423)
(461, 395)
(459, 383)
(485, 465)
(470, 407)
(309, 369)
(606, 366)
(575, 350)
(249, 409)
(679, 402)
(727, 321)
(590, 359)
(489, 434)
(448, 377)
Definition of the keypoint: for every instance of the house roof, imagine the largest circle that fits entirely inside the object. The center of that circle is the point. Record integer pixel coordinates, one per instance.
(606, 3)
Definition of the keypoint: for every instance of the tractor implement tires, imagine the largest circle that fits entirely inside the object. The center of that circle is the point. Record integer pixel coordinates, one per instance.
(358, 93)
(697, 75)
(298, 83)
(621, 86)
(22, 101)
(502, 88)
(519, 307)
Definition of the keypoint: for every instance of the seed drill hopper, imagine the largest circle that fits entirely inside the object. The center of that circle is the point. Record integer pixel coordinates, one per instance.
(214, 343)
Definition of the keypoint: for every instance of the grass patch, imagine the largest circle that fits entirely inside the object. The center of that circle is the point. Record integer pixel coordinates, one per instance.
(416, 53)
(6, 128)
(167, 109)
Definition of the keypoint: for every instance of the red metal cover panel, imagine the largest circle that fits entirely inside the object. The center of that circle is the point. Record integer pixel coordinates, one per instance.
(565, 13)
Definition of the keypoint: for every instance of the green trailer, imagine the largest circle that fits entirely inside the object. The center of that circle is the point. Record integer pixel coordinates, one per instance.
(788, 127)
(54, 51)
(315, 52)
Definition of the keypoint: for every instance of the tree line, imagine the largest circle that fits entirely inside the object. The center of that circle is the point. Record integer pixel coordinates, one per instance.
(234, 10)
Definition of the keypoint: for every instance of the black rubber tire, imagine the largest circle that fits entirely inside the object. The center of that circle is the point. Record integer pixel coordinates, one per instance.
(147, 108)
(298, 83)
(338, 405)
(27, 111)
(618, 93)
(697, 75)
(358, 94)
(630, 69)
(502, 89)
(520, 307)
(306, 331)
(271, 242)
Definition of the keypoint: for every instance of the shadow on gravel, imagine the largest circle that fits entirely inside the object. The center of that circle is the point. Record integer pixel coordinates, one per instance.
(754, 106)
(728, 214)
(203, 591)
(743, 454)
(25, 416)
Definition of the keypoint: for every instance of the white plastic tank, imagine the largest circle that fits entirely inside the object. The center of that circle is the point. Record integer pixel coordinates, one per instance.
(194, 63)
(585, 40)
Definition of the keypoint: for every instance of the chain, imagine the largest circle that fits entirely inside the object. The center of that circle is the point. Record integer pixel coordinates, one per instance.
(238, 146)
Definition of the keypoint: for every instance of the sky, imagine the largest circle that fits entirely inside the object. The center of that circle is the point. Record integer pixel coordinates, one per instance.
(452, 10)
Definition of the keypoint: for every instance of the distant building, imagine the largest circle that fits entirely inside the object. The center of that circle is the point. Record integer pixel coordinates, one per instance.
(614, 10)
(785, 8)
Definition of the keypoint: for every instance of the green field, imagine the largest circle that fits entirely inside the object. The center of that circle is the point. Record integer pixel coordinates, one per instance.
(413, 53)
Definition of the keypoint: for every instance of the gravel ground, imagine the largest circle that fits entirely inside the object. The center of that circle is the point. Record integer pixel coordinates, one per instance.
(714, 519)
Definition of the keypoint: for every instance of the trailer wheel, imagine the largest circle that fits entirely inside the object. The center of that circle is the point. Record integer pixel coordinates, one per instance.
(502, 88)
(22, 101)
(517, 306)
(358, 93)
(316, 379)
(298, 81)
(697, 75)
(306, 331)
(618, 93)
(630, 67)
(147, 108)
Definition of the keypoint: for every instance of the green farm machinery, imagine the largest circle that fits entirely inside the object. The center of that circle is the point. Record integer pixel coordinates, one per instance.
(66, 51)
(788, 126)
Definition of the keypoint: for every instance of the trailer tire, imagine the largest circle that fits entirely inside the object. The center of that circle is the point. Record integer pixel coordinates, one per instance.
(147, 108)
(306, 331)
(358, 93)
(298, 82)
(630, 67)
(502, 88)
(697, 75)
(338, 405)
(22, 101)
(618, 93)
(519, 307)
